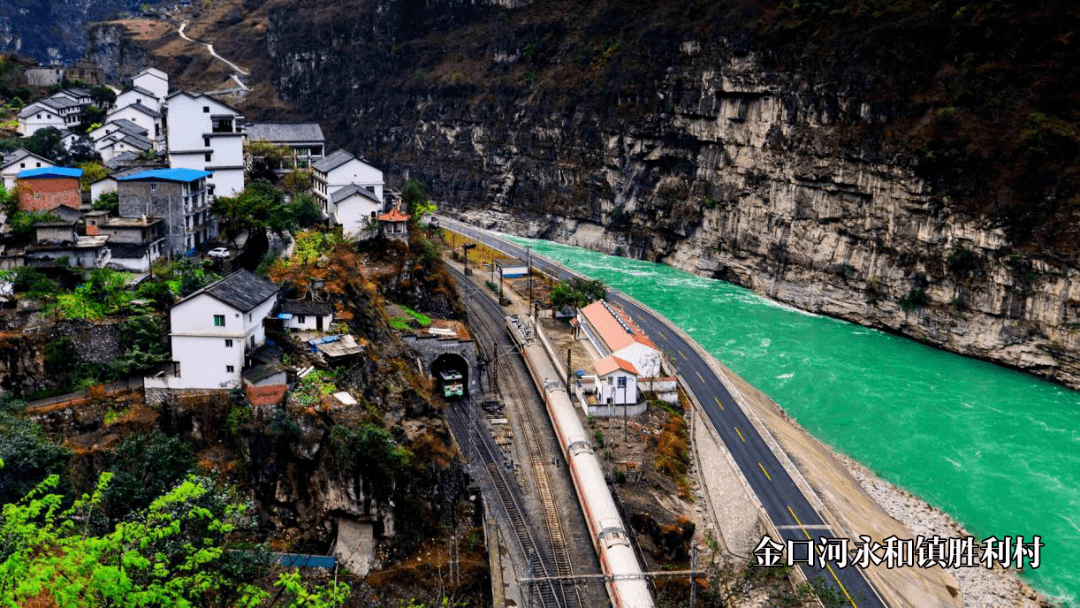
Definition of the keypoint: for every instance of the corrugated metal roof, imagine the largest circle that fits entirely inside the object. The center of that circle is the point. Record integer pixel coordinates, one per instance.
(51, 172)
(169, 175)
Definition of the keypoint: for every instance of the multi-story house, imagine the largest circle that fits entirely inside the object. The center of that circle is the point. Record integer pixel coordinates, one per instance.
(44, 113)
(205, 134)
(338, 170)
(178, 196)
(305, 139)
(153, 81)
(20, 160)
(143, 116)
(214, 329)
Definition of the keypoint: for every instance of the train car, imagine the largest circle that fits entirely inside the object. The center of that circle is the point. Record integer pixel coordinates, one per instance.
(452, 385)
(626, 585)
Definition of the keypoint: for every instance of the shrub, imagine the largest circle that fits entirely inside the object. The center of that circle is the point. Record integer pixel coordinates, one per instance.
(914, 299)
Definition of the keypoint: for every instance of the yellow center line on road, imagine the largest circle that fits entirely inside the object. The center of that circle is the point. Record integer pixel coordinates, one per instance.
(764, 471)
(835, 578)
(717, 400)
(699, 376)
(744, 441)
(683, 356)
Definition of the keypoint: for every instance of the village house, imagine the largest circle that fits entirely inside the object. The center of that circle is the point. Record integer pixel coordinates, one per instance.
(114, 144)
(138, 95)
(617, 381)
(108, 183)
(206, 135)
(57, 240)
(213, 330)
(355, 209)
(134, 243)
(306, 315)
(146, 118)
(613, 333)
(40, 115)
(305, 139)
(44, 75)
(79, 95)
(20, 160)
(338, 170)
(154, 81)
(46, 189)
(178, 196)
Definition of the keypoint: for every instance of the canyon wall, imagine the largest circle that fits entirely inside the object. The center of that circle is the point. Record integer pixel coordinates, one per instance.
(693, 151)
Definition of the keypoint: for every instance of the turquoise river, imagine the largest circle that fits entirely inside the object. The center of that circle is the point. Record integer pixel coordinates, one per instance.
(996, 449)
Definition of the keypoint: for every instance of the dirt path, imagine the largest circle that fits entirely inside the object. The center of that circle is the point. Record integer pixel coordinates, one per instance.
(213, 53)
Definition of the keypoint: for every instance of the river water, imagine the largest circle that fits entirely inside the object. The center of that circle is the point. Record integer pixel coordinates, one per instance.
(996, 449)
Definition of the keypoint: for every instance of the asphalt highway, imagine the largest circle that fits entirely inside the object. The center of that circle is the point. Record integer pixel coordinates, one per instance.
(783, 501)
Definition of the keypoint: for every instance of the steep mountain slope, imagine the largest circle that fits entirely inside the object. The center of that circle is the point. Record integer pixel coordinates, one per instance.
(908, 165)
(52, 31)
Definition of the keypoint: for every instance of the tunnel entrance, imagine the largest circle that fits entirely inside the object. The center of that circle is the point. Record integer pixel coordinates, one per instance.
(451, 374)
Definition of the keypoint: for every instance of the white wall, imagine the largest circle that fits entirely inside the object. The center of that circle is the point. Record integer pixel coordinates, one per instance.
(609, 388)
(199, 346)
(310, 322)
(131, 96)
(151, 124)
(645, 359)
(158, 84)
(355, 172)
(101, 187)
(29, 162)
(354, 214)
(190, 127)
(39, 120)
(204, 361)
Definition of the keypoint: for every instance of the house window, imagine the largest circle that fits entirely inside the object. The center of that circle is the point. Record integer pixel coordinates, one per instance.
(219, 320)
(228, 342)
(252, 341)
(229, 369)
(153, 187)
(206, 142)
(206, 109)
(621, 382)
(207, 156)
(301, 319)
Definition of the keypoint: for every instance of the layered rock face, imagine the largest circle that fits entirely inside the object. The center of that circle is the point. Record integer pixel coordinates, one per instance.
(683, 149)
(52, 32)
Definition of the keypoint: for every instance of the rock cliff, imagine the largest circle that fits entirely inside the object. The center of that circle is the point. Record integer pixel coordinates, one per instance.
(889, 165)
(52, 32)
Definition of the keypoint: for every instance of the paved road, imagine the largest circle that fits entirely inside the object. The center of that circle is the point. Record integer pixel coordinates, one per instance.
(784, 503)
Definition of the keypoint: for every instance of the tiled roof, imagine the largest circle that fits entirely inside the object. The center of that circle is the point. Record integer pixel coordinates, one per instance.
(394, 216)
(242, 290)
(333, 160)
(304, 307)
(35, 107)
(608, 365)
(126, 126)
(343, 193)
(284, 132)
(145, 110)
(615, 327)
(18, 154)
(141, 91)
(169, 175)
(120, 159)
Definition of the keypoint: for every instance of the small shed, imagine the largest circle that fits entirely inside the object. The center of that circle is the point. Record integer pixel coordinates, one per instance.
(511, 268)
(306, 315)
(395, 224)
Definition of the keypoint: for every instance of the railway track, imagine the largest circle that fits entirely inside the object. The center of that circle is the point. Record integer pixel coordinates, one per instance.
(494, 336)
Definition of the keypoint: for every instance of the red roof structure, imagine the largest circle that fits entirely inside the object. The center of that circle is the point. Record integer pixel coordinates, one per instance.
(608, 365)
(615, 327)
(394, 216)
(265, 395)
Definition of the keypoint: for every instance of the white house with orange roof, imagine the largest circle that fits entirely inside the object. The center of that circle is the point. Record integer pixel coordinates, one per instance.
(614, 334)
(617, 381)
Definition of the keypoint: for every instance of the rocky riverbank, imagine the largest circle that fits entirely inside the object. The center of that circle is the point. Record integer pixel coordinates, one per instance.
(979, 587)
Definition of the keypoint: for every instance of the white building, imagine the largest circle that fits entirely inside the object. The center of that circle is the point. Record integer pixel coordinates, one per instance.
(305, 139)
(356, 210)
(305, 315)
(143, 116)
(617, 381)
(138, 95)
(113, 126)
(338, 170)
(613, 333)
(20, 160)
(40, 115)
(205, 134)
(153, 81)
(213, 330)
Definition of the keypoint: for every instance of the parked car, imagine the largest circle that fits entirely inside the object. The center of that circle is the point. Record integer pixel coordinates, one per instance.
(219, 252)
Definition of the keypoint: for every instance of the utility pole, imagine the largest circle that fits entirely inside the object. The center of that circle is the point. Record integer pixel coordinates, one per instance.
(495, 366)
(568, 372)
(528, 262)
(466, 247)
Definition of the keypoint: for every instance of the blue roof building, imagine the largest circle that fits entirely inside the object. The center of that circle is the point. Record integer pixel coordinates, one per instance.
(47, 172)
(169, 175)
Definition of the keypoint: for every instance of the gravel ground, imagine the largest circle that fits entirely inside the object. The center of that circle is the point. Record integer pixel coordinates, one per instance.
(979, 587)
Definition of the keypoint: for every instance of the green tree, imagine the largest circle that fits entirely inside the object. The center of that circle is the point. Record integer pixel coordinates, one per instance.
(30, 456)
(143, 345)
(417, 204)
(303, 212)
(108, 201)
(92, 172)
(577, 292)
(260, 207)
(145, 467)
(179, 551)
(47, 143)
